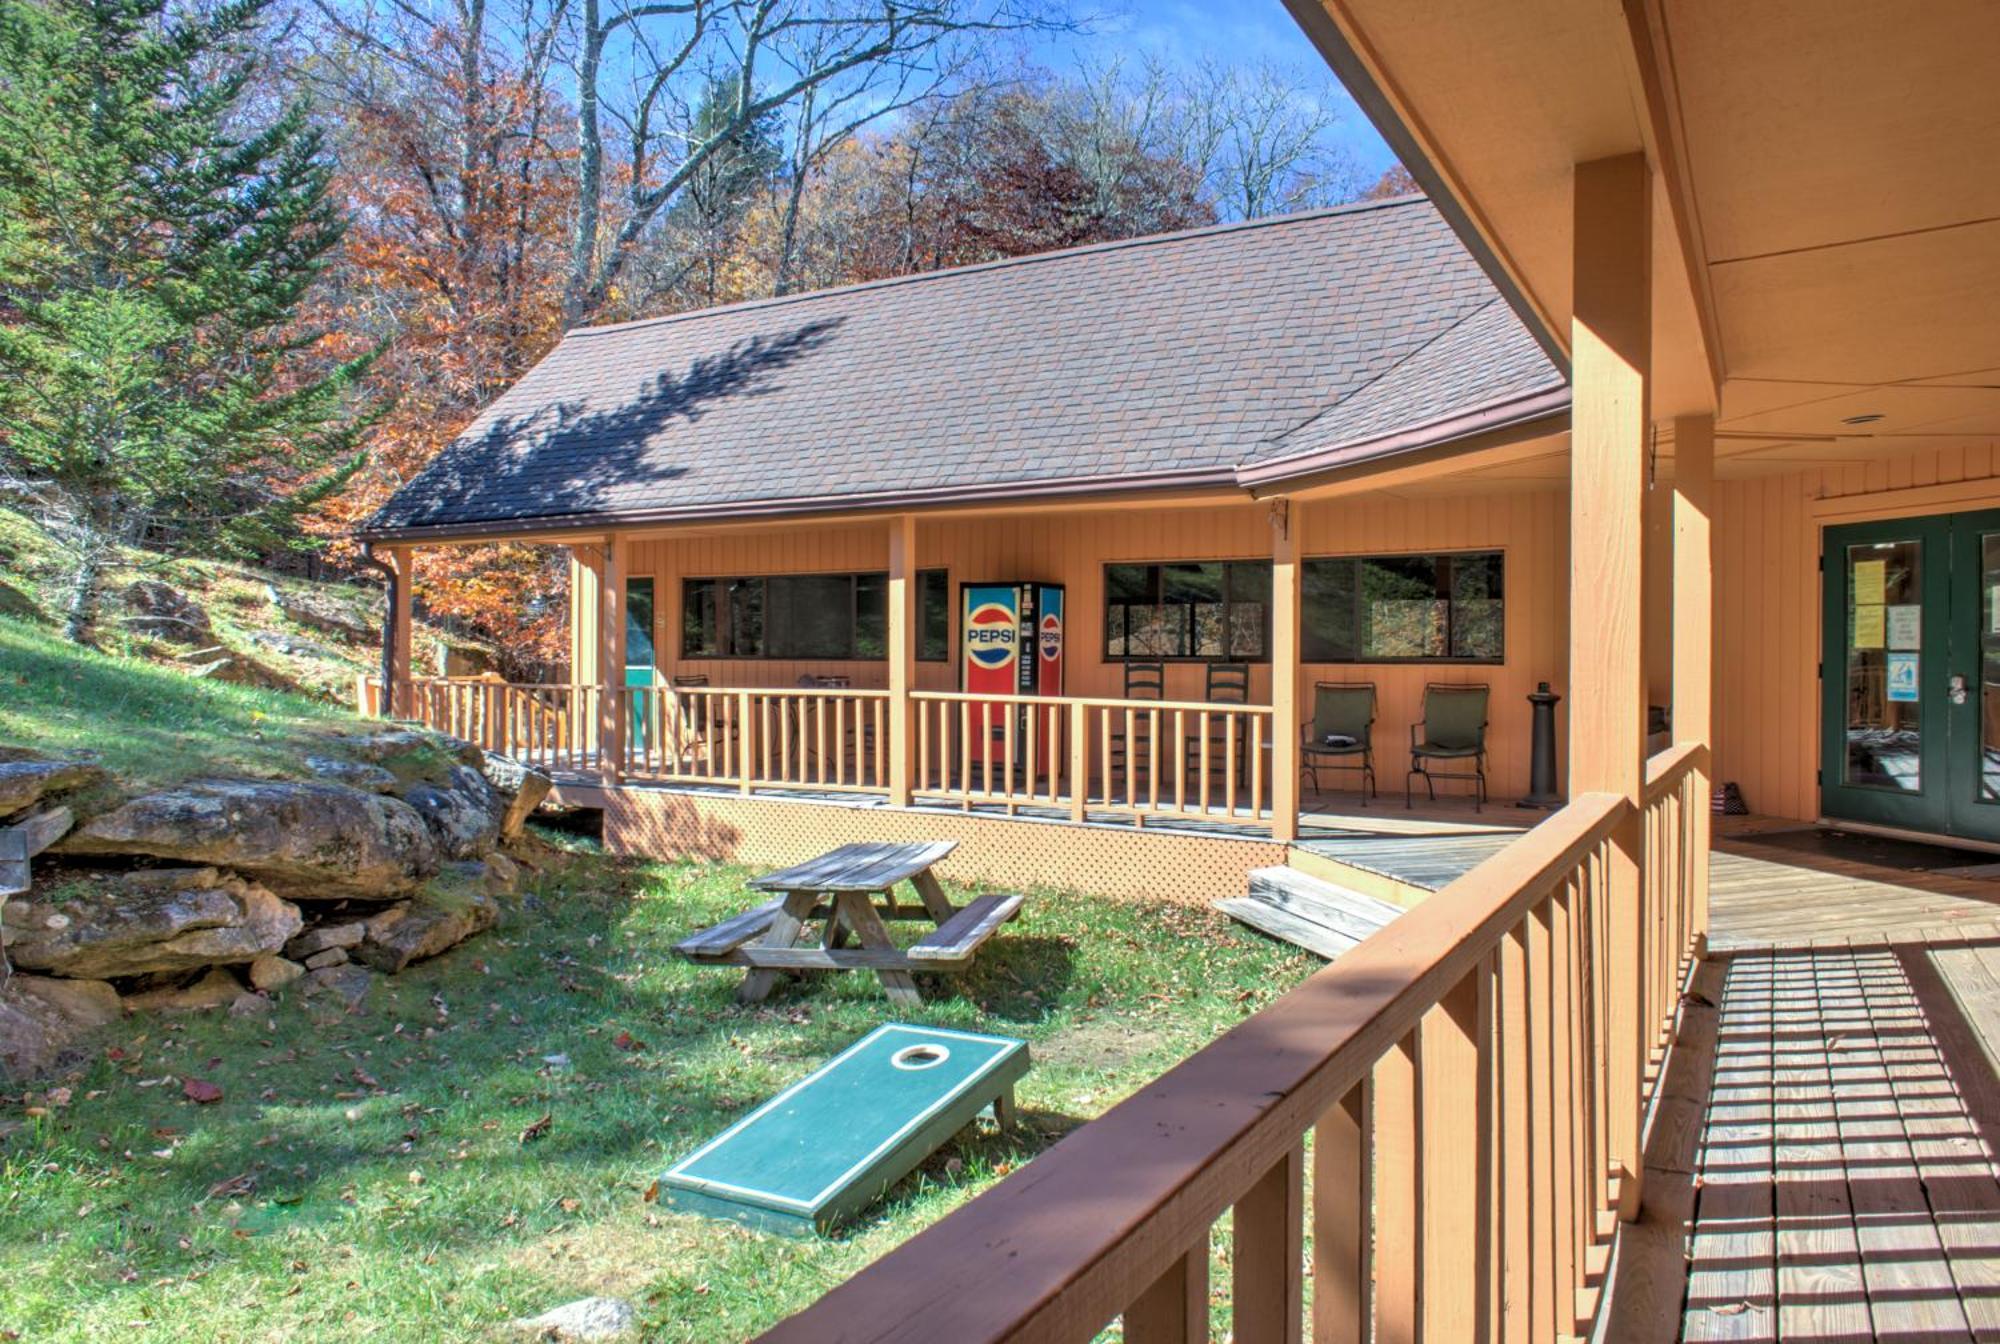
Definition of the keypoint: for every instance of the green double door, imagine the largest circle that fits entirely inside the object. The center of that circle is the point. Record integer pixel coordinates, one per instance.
(1911, 674)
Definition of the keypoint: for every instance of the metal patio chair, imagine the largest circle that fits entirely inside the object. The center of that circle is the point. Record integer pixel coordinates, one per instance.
(1453, 729)
(1341, 733)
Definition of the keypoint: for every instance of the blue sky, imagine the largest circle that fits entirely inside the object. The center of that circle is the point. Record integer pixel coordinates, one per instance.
(1184, 31)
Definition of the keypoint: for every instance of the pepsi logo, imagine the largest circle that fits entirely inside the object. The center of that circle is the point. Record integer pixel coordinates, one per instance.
(1051, 639)
(990, 635)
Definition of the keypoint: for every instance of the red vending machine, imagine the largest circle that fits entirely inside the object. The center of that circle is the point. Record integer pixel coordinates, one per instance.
(1013, 645)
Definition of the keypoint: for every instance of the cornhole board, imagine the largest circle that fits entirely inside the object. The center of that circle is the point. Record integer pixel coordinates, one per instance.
(833, 1143)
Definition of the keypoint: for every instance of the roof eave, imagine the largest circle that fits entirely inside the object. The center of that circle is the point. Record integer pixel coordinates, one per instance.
(1506, 413)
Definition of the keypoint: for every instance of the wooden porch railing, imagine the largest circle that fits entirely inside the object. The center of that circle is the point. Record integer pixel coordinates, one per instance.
(547, 726)
(822, 739)
(1143, 759)
(1453, 1074)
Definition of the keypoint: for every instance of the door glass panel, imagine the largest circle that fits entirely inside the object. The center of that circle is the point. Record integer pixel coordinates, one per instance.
(1884, 733)
(1989, 667)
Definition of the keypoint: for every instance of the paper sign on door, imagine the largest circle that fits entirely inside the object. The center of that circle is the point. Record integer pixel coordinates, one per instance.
(1903, 677)
(1906, 626)
(1871, 578)
(1868, 627)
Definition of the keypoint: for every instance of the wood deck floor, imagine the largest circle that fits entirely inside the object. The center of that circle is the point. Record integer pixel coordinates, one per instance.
(1821, 1161)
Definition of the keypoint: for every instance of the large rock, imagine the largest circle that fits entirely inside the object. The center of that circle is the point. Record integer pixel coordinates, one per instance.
(309, 840)
(464, 815)
(82, 1003)
(146, 922)
(15, 603)
(272, 971)
(225, 665)
(589, 1320)
(346, 987)
(23, 783)
(363, 775)
(325, 936)
(525, 786)
(445, 915)
(166, 613)
(31, 1035)
(217, 989)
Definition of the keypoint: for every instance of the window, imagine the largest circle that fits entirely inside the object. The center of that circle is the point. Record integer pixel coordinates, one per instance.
(1215, 610)
(1404, 608)
(807, 616)
(934, 616)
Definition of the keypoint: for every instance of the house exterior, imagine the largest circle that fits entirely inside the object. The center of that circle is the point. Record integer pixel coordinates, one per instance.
(1158, 428)
(1730, 426)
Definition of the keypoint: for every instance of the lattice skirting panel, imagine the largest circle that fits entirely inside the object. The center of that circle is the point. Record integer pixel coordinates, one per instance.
(992, 851)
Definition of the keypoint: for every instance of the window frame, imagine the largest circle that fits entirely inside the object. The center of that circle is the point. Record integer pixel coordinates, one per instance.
(723, 626)
(1420, 660)
(1159, 587)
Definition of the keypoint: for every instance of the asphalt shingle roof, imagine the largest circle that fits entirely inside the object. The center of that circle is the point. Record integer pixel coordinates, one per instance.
(1182, 353)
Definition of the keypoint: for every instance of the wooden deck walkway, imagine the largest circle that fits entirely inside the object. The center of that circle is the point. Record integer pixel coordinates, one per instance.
(1821, 1163)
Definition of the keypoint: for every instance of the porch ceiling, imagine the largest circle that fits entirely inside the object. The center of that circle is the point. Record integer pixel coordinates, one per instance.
(1825, 185)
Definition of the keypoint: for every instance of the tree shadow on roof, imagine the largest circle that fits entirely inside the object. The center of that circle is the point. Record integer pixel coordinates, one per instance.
(562, 458)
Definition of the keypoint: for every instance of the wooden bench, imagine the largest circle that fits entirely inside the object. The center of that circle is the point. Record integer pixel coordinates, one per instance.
(952, 944)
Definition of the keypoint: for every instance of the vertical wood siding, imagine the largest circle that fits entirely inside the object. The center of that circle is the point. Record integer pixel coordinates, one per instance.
(1072, 548)
(1767, 635)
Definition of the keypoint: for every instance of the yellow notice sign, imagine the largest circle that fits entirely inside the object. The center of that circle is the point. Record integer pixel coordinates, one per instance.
(1871, 579)
(1868, 627)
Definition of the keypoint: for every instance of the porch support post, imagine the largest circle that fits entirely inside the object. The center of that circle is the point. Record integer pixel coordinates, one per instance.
(1284, 670)
(1611, 360)
(611, 659)
(1694, 663)
(902, 652)
(399, 696)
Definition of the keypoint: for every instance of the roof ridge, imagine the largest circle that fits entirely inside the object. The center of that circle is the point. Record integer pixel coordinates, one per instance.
(1380, 374)
(999, 263)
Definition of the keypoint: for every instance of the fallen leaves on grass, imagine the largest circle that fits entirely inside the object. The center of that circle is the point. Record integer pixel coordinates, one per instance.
(200, 1091)
(540, 1128)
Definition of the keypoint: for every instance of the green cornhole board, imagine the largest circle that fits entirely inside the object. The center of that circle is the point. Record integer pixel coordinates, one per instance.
(831, 1144)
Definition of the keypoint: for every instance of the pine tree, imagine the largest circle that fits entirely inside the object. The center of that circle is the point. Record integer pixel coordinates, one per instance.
(158, 230)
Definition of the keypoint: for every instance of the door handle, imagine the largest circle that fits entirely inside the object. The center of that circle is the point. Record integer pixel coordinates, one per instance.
(1956, 690)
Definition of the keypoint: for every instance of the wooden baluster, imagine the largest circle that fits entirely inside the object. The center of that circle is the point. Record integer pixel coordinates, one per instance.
(1343, 1241)
(1104, 760)
(1229, 762)
(1153, 759)
(1596, 893)
(1079, 759)
(1007, 730)
(1174, 1310)
(1542, 1104)
(1452, 1056)
(1179, 765)
(1129, 786)
(965, 747)
(746, 726)
(1513, 1240)
(1256, 753)
(1203, 734)
(1591, 1186)
(1268, 1292)
(1036, 715)
(1568, 1254)
(923, 716)
(1397, 1162)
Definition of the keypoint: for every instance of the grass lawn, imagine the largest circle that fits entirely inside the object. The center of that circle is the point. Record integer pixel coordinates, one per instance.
(152, 725)
(365, 1178)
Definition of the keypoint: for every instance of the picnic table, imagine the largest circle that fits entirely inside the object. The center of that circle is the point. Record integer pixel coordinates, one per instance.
(838, 892)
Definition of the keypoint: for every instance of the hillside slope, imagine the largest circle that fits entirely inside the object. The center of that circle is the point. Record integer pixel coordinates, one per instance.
(212, 620)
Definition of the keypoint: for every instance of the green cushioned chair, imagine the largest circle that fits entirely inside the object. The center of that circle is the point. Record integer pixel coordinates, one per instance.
(1341, 734)
(1453, 729)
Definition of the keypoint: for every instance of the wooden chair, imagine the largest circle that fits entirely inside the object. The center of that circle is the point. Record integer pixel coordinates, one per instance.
(1342, 729)
(689, 742)
(1453, 729)
(1144, 680)
(1224, 684)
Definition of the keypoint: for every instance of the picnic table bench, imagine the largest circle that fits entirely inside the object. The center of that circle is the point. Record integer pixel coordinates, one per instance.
(838, 891)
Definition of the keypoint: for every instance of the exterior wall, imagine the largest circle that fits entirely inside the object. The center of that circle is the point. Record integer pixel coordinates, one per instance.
(995, 852)
(1073, 547)
(1767, 635)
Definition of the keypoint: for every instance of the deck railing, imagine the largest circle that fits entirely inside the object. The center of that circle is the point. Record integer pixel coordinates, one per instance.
(1147, 760)
(1455, 1076)
(547, 726)
(822, 739)
(1142, 759)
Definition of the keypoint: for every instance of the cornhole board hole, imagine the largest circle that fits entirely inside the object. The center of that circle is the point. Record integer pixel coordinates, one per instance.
(833, 1143)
